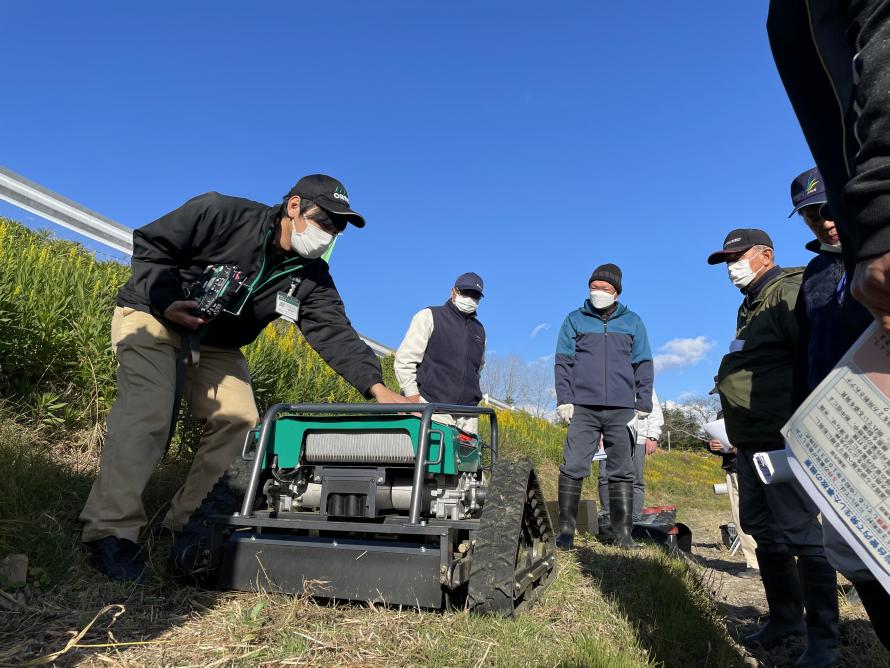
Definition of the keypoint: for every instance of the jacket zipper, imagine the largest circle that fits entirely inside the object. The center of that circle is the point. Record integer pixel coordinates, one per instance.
(463, 380)
(606, 361)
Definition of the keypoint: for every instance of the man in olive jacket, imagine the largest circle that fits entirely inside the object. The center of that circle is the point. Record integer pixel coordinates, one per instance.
(756, 385)
(278, 248)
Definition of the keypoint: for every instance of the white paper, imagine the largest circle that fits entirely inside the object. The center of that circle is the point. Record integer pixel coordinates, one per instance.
(716, 431)
(772, 467)
(840, 441)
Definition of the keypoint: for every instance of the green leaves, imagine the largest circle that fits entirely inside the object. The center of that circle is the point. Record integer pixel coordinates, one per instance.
(56, 363)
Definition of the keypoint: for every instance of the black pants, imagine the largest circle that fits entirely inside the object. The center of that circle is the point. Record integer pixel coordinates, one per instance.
(778, 516)
(588, 424)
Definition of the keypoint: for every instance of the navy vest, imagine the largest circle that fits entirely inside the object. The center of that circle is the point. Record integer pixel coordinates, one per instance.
(449, 372)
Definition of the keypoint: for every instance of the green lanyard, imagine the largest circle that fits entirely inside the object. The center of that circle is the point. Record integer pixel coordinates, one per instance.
(254, 287)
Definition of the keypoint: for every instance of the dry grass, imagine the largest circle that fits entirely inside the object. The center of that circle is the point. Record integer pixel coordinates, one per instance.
(604, 609)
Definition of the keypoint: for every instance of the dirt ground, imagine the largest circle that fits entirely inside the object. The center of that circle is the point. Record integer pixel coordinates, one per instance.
(743, 602)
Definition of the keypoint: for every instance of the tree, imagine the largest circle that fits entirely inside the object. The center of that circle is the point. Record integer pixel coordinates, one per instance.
(685, 421)
(525, 385)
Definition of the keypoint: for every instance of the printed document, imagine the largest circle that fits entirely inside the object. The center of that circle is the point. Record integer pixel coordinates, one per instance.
(840, 441)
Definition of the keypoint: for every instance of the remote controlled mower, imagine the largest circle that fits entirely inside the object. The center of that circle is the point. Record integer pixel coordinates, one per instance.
(365, 502)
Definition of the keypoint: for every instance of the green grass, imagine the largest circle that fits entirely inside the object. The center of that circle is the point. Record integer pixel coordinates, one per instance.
(57, 385)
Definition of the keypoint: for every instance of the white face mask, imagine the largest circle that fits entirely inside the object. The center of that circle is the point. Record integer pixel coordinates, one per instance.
(312, 242)
(465, 304)
(740, 272)
(602, 299)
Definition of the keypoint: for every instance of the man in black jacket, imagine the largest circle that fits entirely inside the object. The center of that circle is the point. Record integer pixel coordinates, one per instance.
(833, 58)
(163, 348)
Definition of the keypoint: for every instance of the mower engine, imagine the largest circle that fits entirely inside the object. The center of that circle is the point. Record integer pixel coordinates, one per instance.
(363, 502)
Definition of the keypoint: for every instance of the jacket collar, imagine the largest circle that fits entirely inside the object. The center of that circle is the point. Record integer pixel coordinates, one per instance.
(454, 309)
(587, 309)
(817, 247)
(752, 292)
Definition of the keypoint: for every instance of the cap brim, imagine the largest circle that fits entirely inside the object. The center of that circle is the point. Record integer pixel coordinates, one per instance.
(812, 199)
(720, 256)
(470, 287)
(340, 210)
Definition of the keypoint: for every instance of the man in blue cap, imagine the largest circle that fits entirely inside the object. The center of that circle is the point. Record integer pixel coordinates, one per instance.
(831, 321)
(441, 357)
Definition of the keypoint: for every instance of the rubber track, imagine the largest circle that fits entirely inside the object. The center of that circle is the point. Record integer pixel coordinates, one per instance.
(191, 560)
(514, 508)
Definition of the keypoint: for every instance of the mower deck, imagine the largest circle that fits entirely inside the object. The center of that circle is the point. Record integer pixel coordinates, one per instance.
(389, 562)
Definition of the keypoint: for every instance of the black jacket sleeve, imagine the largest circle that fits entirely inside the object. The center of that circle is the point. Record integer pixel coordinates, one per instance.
(867, 195)
(325, 326)
(162, 247)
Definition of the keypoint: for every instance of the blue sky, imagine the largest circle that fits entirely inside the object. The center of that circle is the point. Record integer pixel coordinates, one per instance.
(526, 142)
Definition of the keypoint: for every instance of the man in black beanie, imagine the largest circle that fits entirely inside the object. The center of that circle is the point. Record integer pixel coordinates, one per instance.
(604, 376)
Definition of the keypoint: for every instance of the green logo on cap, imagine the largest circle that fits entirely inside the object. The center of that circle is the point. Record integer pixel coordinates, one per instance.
(340, 193)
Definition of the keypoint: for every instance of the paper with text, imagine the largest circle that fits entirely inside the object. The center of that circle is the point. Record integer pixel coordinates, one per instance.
(840, 439)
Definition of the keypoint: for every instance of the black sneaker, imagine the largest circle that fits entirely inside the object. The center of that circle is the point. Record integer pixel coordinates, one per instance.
(118, 558)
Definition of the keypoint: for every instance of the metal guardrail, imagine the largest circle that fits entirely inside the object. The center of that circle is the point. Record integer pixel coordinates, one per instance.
(52, 206)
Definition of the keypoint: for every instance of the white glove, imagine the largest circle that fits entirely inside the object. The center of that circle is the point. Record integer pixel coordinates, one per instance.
(565, 412)
(642, 414)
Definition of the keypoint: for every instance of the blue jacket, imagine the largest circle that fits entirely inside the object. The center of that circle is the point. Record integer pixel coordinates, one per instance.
(604, 360)
(831, 320)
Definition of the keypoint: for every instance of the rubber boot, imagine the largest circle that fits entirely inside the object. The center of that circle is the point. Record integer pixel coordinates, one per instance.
(818, 580)
(621, 505)
(569, 497)
(781, 581)
(877, 602)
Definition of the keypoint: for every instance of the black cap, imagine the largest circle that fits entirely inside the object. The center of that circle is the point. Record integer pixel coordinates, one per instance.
(610, 273)
(740, 240)
(808, 188)
(469, 281)
(329, 194)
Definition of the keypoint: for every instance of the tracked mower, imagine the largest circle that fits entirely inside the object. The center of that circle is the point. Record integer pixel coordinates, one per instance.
(363, 502)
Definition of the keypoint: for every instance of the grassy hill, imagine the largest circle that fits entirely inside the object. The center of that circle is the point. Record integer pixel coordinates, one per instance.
(606, 608)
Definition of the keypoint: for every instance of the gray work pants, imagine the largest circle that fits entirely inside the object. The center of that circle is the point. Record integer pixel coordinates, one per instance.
(639, 457)
(588, 424)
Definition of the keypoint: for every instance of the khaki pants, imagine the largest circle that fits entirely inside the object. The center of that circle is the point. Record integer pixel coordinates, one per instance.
(747, 543)
(220, 393)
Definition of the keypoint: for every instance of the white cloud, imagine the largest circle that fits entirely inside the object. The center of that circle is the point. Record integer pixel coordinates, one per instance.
(678, 353)
(544, 326)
